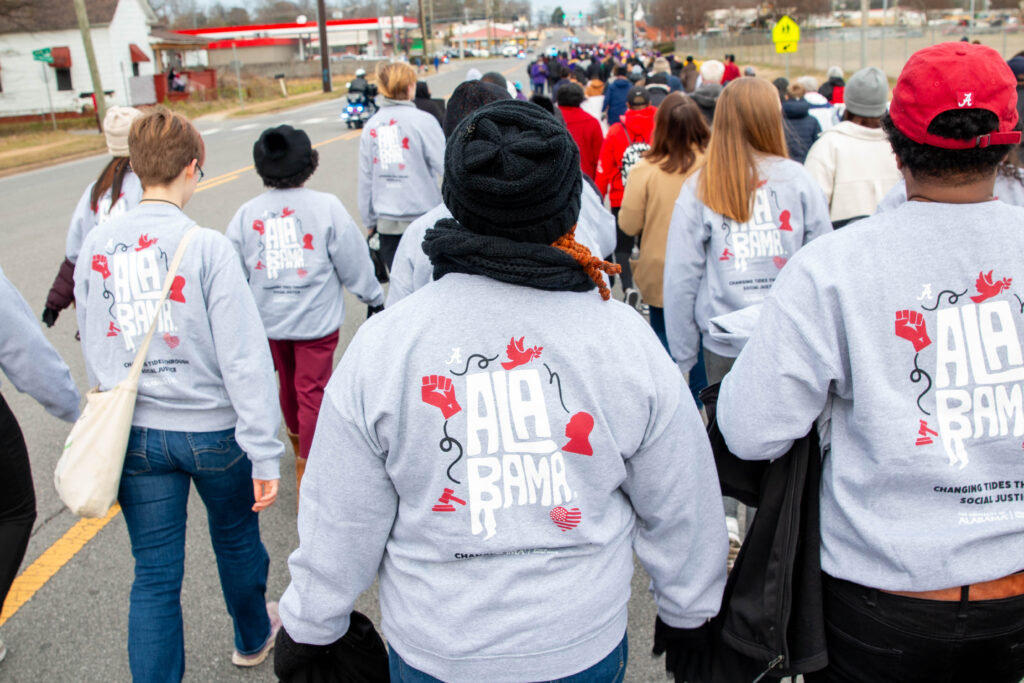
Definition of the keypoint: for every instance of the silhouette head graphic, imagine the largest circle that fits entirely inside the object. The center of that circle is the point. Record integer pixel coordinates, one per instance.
(578, 432)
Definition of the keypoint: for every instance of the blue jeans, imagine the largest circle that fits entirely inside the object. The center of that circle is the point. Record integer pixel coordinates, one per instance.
(611, 669)
(158, 470)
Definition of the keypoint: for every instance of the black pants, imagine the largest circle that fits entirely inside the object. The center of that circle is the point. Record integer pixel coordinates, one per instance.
(17, 499)
(879, 637)
(388, 247)
(623, 250)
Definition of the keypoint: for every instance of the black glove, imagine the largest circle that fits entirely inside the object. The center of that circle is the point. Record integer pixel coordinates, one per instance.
(372, 310)
(50, 316)
(687, 651)
(359, 656)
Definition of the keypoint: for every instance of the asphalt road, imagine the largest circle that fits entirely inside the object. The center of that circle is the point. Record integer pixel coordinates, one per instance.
(75, 627)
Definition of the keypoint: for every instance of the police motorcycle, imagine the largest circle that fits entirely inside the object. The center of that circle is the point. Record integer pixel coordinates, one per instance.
(360, 102)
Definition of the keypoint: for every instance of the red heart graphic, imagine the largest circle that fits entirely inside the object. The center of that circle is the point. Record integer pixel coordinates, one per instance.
(401, 167)
(302, 272)
(779, 261)
(171, 340)
(566, 519)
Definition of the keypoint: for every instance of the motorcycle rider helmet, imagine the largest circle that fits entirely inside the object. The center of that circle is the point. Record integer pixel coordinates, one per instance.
(360, 73)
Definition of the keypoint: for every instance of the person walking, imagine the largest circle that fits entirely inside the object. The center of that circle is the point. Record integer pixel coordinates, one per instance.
(509, 536)
(633, 135)
(737, 221)
(401, 157)
(113, 193)
(801, 128)
(33, 366)
(205, 412)
(677, 148)
(853, 163)
(689, 78)
(583, 127)
(299, 250)
(538, 76)
(594, 102)
(902, 340)
(616, 96)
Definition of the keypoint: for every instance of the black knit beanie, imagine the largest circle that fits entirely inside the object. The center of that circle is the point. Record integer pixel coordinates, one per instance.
(466, 99)
(511, 170)
(282, 152)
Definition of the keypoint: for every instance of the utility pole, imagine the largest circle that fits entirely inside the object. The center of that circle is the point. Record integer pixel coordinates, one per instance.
(423, 30)
(391, 9)
(865, 11)
(90, 56)
(325, 48)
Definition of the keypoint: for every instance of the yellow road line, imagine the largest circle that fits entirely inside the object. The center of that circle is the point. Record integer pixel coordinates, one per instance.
(506, 72)
(50, 562)
(218, 183)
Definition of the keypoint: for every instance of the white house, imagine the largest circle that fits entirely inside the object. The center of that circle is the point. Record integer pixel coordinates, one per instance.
(120, 38)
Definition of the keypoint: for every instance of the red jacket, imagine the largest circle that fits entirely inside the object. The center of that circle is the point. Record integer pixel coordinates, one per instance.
(636, 125)
(732, 72)
(586, 131)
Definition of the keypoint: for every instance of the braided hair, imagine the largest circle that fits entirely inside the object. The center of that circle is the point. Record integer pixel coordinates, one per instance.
(592, 265)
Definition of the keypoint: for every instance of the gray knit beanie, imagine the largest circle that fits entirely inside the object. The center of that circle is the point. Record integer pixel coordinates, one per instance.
(867, 92)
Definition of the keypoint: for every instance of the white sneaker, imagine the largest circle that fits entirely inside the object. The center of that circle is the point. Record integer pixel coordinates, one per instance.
(256, 658)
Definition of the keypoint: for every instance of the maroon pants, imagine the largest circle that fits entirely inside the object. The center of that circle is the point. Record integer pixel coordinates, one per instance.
(303, 368)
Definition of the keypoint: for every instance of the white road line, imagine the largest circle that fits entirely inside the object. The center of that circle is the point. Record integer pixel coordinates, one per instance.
(246, 126)
(211, 131)
(317, 119)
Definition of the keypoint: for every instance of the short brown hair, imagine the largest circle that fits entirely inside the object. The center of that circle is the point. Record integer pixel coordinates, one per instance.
(161, 144)
(395, 79)
(680, 134)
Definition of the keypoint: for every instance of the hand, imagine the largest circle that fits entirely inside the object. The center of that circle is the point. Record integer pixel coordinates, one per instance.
(910, 325)
(265, 493)
(437, 390)
(373, 310)
(50, 316)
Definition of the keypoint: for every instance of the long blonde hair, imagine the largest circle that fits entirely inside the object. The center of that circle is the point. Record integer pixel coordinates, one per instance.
(748, 121)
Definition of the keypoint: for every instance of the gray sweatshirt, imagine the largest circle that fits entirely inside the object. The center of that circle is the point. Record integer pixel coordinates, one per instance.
(209, 366)
(714, 265)
(498, 479)
(904, 339)
(29, 360)
(84, 219)
(411, 268)
(1009, 190)
(298, 248)
(401, 161)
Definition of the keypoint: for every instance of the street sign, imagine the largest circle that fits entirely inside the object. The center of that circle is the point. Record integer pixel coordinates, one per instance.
(786, 31)
(43, 55)
(785, 48)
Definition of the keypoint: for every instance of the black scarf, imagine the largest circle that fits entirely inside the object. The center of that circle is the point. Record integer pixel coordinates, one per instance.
(454, 249)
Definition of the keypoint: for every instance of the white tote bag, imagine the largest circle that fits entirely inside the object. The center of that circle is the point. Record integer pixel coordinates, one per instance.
(88, 473)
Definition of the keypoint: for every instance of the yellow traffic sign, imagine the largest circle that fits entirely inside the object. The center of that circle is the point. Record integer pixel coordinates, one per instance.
(785, 48)
(786, 31)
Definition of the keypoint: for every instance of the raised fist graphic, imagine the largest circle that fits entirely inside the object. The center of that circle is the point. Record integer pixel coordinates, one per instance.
(437, 390)
(910, 326)
(99, 264)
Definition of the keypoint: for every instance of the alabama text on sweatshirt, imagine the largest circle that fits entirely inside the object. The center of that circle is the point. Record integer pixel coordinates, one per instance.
(714, 265)
(29, 360)
(209, 365)
(84, 219)
(401, 161)
(904, 339)
(411, 268)
(475, 451)
(298, 248)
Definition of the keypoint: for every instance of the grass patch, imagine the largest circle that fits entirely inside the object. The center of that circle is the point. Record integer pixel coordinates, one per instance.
(18, 152)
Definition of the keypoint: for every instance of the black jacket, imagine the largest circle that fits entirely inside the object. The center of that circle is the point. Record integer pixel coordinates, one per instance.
(801, 128)
(772, 617)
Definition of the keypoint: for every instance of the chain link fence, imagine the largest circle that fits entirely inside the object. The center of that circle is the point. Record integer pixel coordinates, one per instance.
(887, 48)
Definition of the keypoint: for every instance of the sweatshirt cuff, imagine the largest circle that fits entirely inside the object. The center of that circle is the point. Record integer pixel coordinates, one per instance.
(267, 469)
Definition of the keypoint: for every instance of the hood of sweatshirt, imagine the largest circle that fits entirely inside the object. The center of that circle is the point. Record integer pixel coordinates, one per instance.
(857, 131)
(796, 109)
(707, 95)
(620, 84)
(639, 122)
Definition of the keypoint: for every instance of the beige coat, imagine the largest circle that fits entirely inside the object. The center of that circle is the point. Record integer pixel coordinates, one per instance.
(647, 205)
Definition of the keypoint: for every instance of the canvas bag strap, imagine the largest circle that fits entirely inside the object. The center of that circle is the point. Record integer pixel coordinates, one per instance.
(172, 270)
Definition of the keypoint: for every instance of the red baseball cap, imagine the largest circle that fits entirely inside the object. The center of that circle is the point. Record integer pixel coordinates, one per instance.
(952, 76)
